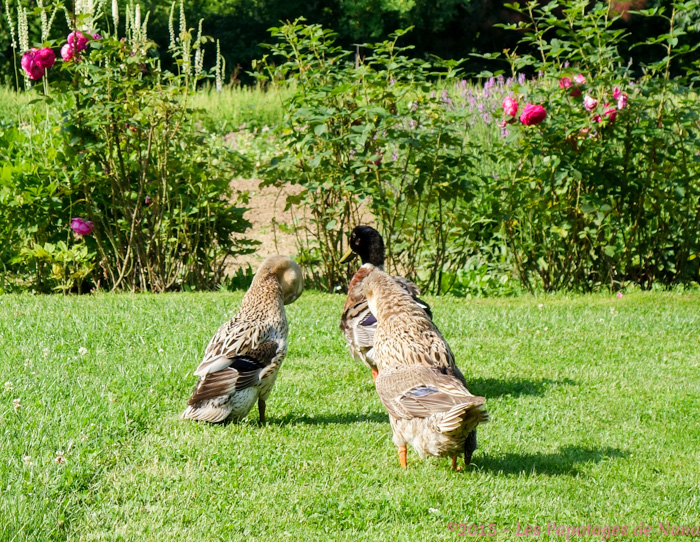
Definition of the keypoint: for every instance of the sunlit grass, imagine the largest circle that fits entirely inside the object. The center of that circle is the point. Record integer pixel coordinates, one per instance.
(594, 403)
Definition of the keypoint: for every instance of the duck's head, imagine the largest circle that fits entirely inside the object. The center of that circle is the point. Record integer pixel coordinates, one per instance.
(366, 243)
(288, 274)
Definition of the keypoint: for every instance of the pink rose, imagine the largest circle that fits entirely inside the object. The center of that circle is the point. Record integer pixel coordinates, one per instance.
(565, 82)
(96, 36)
(81, 227)
(67, 52)
(589, 103)
(532, 114)
(30, 66)
(610, 112)
(575, 93)
(78, 40)
(616, 93)
(622, 101)
(598, 118)
(580, 79)
(45, 58)
(510, 106)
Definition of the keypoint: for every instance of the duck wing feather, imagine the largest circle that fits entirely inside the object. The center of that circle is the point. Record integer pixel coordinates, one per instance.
(420, 391)
(241, 372)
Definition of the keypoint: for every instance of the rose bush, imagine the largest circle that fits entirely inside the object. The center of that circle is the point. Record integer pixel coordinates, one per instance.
(607, 191)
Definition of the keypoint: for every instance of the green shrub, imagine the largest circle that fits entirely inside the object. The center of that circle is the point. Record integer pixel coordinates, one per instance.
(125, 154)
(368, 139)
(606, 190)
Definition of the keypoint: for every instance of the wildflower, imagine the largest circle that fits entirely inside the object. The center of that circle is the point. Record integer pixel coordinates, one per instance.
(433, 510)
(81, 227)
(510, 106)
(619, 295)
(565, 82)
(17, 404)
(147, 201)
(27, 459)
(533, 114)
(589, 103)
(579, 79)
(616, 93)
(82, 350)
(540, 306)
(622, 101)
(8, 386)
(60, 457)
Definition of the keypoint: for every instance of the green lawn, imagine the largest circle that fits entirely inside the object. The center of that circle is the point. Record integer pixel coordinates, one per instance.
(594, 401)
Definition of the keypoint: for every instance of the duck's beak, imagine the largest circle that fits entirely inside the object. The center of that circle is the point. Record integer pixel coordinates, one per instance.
(348, 256)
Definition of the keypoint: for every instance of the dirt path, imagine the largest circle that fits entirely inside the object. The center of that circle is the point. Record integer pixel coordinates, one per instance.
(265, 208)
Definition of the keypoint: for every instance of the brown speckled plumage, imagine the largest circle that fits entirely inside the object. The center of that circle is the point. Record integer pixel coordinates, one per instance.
(419, 383)
(243, 358)
(357, 323)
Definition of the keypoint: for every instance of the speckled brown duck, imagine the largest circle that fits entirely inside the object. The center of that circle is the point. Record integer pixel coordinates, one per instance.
(418, 382)
(242, 360)
(357, 323)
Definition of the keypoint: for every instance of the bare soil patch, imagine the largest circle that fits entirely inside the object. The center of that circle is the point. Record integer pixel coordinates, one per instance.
(266, 212)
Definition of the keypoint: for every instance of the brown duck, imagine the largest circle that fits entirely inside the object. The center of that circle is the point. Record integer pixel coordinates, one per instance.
(243, 358)
(357, 323)
(419, 383)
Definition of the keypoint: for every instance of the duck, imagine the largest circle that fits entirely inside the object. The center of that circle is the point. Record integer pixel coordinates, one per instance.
(357, 322)
(418, 382)
(243, 359)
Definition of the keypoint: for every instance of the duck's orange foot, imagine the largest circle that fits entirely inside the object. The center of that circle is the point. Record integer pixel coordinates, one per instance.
(454, 464)
(375, 372)
(402, 456)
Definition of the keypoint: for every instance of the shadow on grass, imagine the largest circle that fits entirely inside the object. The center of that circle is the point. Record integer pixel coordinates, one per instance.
(322, 419)
(566, 462)
(515, 387)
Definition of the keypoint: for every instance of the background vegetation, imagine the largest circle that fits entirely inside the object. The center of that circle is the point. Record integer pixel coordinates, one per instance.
(602, 191)
(450, 29)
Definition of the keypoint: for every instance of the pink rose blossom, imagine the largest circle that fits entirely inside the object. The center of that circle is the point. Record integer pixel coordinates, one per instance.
(589, 103)
(78, 40)
(533, 114)
(30, 66)
(67, 52)
(610, 112)
(575, 93)
(81, 227)
(580, 79)
(45, 58)
(510, 106)
(565, 82)
(622, 101)
(616, 93)
(96, 36)
(598, 118)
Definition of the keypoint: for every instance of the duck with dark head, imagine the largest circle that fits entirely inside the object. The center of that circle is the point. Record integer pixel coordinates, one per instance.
(357, 323)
